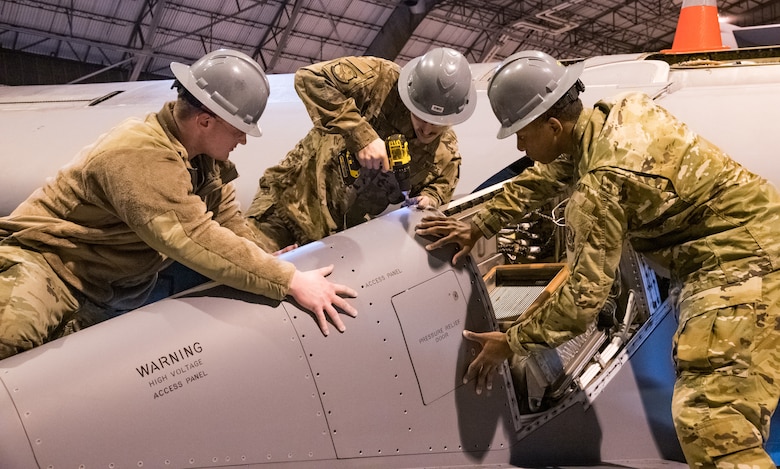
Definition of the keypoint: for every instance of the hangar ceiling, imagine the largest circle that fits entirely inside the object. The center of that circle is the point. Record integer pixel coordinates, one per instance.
(96, 40)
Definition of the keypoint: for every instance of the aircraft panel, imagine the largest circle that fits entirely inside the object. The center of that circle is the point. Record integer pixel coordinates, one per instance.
(483, 154)
(179, 375)
(57, 97)
(372, 358)
(430, 314)
(632, 73)
(14, 445)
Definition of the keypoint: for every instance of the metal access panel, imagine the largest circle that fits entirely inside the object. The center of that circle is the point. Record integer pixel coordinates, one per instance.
(182, 383)
(384, 392)
(432, 315)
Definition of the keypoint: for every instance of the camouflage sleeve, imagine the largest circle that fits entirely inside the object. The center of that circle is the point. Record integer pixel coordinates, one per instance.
(447, 170)
(527, 191)
(342, 95)
(596, 223)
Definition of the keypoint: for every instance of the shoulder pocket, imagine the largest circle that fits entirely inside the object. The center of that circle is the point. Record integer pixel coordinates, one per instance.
(351, 72)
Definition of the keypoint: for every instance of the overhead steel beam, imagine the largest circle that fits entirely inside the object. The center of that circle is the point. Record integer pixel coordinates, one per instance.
(296, 8)
(272, 33)
(399, 27)
(98, 72)
(156, 13)
(85, 42)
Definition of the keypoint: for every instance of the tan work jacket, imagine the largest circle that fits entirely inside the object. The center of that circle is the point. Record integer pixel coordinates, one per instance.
(132, 202)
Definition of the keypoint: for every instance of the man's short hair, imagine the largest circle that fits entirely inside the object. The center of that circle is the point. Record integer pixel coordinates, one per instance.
(188, 105)
(569, 106)
(569, 111)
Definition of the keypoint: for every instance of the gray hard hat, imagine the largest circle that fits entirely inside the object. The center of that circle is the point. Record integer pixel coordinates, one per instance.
(437, 87)
(526, 85)
(230, 84)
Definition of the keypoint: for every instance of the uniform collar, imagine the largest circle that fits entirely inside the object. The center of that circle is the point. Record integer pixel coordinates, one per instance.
(171, 128)
(588, 125)
(226, 169)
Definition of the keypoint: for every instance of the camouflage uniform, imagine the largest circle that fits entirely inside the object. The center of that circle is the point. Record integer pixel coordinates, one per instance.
(352, 101)
(709, 224)
(90, 242)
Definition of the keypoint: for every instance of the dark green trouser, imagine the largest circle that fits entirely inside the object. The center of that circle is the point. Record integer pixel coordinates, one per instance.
(271, 231)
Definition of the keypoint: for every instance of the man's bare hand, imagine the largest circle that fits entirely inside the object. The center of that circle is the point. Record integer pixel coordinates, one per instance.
(422, 202)
(287, 249)
(317, 294)
(450, 231)
(495, 349)
(374, 156)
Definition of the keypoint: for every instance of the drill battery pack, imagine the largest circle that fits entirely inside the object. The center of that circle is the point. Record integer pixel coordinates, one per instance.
(348, 167)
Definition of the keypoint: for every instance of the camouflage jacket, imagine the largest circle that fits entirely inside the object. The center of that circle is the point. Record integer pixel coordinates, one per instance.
(133, 201)
(642, 175)
(351, 101)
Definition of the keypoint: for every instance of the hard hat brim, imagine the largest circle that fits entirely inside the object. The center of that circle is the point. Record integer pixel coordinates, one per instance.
(569, 78)
(436, 119)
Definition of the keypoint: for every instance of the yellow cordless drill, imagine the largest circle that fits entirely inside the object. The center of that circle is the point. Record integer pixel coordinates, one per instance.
(398, 156)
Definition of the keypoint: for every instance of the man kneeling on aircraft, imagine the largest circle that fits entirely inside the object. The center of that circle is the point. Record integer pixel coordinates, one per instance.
(88, 244)
(635, 172)
(339, 174)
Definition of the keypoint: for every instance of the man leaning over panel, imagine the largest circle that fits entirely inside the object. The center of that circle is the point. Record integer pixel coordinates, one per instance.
(89, 243)
(637, 173)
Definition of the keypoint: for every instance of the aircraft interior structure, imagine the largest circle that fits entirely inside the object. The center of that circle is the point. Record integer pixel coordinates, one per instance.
(214, 377)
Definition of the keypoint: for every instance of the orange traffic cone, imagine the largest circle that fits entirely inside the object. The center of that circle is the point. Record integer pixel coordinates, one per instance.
(698, 28)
